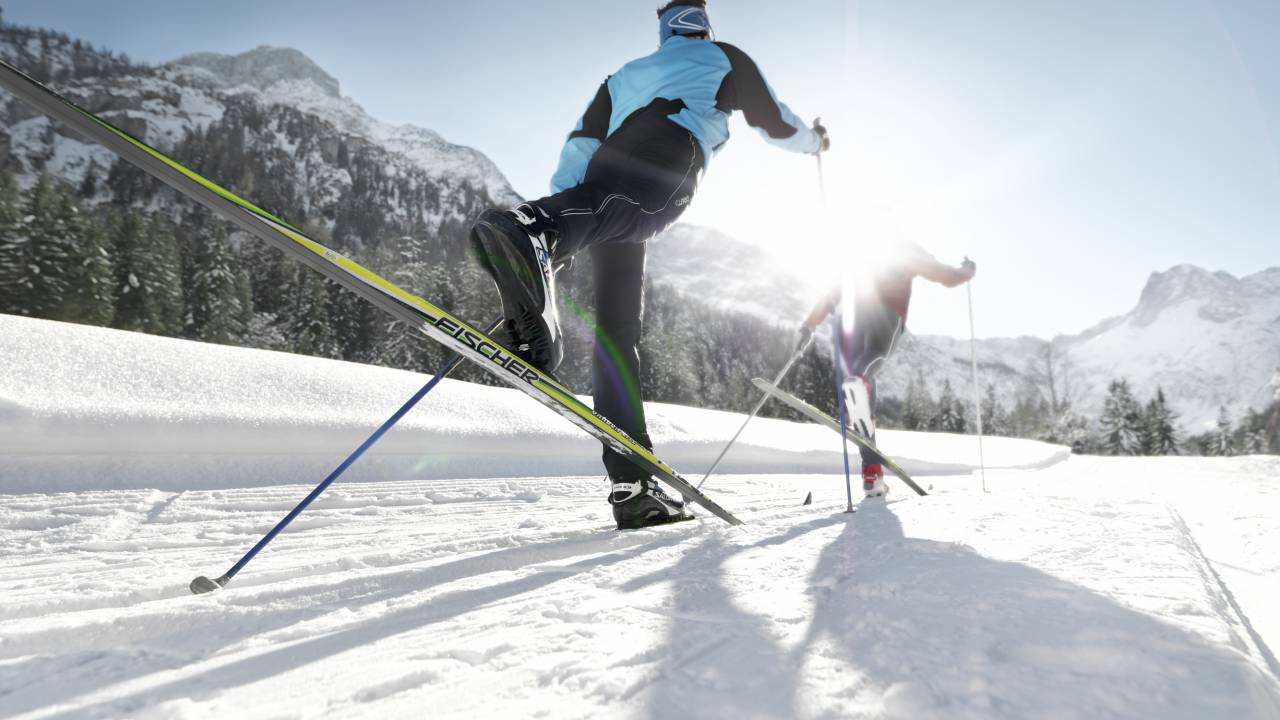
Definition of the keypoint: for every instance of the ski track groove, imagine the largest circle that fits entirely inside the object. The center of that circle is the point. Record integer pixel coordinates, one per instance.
(424, 577)
(1254, 646)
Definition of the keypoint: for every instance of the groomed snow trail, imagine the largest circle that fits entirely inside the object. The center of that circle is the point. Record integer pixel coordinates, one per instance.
(1080, 588)
(514, 598)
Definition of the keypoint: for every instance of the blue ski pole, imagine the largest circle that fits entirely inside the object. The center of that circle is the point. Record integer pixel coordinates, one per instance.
(836, 343)
(203, 584)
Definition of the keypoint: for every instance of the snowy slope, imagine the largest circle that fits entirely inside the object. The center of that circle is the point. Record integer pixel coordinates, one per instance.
(511, 596)
(86, 408)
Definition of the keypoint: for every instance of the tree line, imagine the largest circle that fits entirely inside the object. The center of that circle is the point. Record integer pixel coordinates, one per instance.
(1126, 426)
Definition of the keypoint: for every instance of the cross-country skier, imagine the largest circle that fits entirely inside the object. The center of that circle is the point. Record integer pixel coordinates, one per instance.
(627, 172)
(879, 316)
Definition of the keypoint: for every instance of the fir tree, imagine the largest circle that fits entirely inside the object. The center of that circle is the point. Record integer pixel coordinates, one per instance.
(918, 409)
(1222, 443)
(148, 277)
(951, 411)
(214, 314)
(312, 331)
(1160, 427)
(1121, 421)
(38, 254)
(995, 419)
(88, 298)
(13, 248)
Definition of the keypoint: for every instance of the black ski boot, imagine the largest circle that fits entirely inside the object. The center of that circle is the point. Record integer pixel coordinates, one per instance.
(513, 247)
(641, 503)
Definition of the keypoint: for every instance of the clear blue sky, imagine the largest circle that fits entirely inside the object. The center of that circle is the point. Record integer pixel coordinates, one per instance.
(1070, 148)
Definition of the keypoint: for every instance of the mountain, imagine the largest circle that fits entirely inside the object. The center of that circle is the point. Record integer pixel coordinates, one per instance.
(1209, 339)
(713, 267)
(165, 105)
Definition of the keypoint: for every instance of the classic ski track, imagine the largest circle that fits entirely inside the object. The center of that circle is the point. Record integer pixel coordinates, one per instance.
(1252, 644)
(325, 578)
(221, 523)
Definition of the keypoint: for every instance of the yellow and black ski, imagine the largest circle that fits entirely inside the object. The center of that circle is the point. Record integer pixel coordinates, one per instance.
(435, 322)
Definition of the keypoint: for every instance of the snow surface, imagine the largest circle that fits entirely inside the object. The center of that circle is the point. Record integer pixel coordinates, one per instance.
(92, 408)
(1086, 588)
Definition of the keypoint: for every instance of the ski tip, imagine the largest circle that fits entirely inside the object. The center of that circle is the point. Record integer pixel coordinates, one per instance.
(808, 499)
(202, 585)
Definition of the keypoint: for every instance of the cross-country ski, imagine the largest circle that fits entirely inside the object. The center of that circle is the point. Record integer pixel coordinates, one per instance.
(286, 294)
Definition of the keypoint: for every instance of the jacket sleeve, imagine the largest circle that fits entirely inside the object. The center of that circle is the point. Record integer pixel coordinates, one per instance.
(583, 142)
(745, 89)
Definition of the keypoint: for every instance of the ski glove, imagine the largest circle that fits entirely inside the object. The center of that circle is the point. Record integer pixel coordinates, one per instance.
(824, 138)
(803, 336)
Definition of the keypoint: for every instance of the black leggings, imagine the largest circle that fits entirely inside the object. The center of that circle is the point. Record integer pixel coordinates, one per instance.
(637, 184)
(863, 352)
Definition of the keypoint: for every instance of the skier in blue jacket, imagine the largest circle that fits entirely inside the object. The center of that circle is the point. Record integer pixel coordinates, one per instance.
(626, 173)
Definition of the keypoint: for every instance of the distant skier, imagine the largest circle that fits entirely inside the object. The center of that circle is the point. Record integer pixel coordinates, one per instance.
(879, 316)
(627, 172)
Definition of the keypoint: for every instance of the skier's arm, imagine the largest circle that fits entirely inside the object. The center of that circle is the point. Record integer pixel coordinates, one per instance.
(817, 315)
(583, 142)
(745, 89)
(928, 267)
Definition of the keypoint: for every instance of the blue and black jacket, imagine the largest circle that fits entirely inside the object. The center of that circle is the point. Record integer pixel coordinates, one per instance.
(712, 79)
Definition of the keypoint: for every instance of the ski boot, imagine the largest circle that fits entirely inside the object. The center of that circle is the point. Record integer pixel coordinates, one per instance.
(515, 249)
(873, 484)
(857, 406)
(641, 503)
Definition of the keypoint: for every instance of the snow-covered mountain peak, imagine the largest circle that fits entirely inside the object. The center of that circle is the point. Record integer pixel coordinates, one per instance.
(1219, 294)
(261, 68)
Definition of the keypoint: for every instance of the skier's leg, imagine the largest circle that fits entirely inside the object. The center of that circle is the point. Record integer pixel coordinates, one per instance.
(876, 329)
(615, 362)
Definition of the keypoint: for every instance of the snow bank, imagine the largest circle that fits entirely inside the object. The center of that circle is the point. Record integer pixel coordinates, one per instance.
(90, 408)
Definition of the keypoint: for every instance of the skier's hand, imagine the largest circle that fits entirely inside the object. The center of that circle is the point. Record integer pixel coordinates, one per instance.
(968, 269)
(824, 138)
(803, 336)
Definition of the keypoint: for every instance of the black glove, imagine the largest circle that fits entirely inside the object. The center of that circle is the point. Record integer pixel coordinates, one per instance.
(803, 337)
(824, 139)
(969, 265)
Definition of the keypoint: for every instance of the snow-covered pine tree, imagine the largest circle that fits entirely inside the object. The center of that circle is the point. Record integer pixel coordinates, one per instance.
(1222, 443)
(1121, 421)
(1160, 435)
(37, 254)
(13, 247)
(312, 332)
(148, 276)
(951, 411)
(214, 313)
(918, 408)
(1251, 434)
(995, 419)
(88, 297)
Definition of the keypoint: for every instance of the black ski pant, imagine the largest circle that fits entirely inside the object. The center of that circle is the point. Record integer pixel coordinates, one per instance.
(637, 184)
(863, 352)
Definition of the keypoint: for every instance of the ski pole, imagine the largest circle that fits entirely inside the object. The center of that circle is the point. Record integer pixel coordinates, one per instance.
(756, 410)
(835, 343)
(977, 398)
(203, 584)
(844, 421)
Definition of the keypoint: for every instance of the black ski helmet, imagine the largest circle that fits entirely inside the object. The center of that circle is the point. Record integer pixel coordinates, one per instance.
(683, 17)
